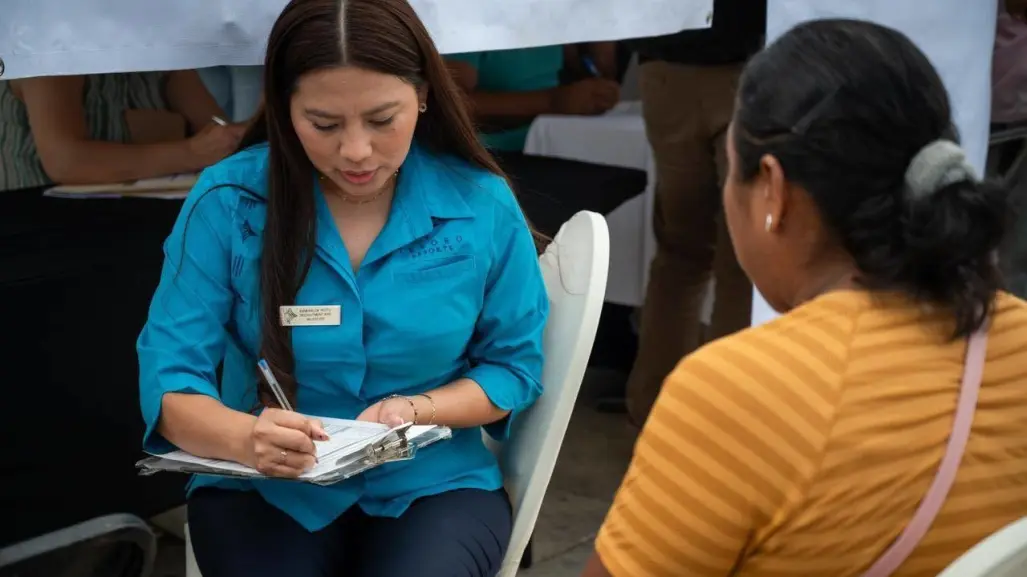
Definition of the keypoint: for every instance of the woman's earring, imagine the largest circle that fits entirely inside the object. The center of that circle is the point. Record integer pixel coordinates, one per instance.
(422, 107)
(770, 223)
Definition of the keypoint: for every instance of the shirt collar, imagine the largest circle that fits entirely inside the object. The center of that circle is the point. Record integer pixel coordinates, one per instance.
(429, 185)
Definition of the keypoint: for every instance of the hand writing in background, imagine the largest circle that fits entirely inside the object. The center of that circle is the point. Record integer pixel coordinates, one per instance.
(282, 443)
(215, 142)
(586, 97)
(392, 412)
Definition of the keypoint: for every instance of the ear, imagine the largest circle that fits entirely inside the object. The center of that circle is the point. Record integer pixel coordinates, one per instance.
(773, 191)
(422, 93)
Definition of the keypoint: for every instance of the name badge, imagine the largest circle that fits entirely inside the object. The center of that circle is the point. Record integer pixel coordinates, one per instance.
(310, 316)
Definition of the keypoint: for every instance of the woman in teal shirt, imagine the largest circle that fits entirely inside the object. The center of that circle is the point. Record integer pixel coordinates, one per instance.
(364, 187)
(509, 88)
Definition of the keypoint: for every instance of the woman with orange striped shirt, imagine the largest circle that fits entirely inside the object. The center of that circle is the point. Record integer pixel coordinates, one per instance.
(803, 447)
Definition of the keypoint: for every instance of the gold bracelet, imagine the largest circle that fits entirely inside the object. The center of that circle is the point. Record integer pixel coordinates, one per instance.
(413, 407)
(432, 401)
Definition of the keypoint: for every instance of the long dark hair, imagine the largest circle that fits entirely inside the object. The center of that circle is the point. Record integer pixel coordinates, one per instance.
(381, 35)
(844, 106)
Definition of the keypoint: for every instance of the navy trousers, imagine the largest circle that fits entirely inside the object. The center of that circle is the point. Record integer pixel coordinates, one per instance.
(461, 533)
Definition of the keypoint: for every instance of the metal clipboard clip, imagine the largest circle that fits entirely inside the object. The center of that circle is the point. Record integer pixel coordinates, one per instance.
(393, 446)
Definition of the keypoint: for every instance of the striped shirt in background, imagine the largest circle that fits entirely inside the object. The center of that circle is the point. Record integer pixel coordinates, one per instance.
(802, 447)
(106, 98)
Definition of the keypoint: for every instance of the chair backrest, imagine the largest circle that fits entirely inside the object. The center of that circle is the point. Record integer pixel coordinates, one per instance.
(110, 546)
(1003, 554)
(575, 267)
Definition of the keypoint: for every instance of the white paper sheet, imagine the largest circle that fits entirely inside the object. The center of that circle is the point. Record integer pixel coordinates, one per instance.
(48, 37)
(173, 187)
(346, 437)
(957, 35)
(152, 195)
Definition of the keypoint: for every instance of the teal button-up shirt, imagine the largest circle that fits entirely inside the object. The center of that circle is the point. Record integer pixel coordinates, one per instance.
(516, 70)
(450, 288)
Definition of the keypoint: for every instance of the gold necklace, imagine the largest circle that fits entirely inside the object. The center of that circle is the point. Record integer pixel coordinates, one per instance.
(359, 201)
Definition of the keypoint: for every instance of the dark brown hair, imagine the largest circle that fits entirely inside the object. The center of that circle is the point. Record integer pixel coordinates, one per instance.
(385, 36)
(845, 106)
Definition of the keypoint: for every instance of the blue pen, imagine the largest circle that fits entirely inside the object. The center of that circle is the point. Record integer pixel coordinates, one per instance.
(272, 382)
(590, 66)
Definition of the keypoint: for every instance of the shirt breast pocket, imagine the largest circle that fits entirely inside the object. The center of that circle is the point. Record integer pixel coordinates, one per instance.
(436, 270)
(427, 318)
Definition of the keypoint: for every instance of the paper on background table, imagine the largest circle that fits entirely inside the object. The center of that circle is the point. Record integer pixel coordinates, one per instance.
(159, 195)
(167, 188)
(346, 437)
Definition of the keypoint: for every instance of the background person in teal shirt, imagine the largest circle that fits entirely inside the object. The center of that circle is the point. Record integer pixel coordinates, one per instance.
(509, 88)
(363, 186)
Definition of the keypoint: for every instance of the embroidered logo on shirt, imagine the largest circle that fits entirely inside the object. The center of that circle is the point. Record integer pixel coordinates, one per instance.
(435, 246)
(247, 203)
(246, 231)
(237, 262)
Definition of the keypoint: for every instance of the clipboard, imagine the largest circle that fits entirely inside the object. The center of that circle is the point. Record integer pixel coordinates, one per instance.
(397, 444)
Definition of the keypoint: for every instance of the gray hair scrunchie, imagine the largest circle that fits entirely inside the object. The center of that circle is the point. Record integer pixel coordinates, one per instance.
(936, 166)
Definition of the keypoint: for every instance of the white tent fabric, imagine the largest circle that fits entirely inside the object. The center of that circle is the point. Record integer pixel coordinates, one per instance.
(52, 37)
(957, 35)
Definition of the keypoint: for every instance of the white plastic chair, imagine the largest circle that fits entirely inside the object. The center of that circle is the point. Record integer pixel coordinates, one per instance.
(1003, 554)
(575, 267)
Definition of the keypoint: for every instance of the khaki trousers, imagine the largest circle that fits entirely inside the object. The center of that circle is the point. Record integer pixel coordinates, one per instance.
(687, 110)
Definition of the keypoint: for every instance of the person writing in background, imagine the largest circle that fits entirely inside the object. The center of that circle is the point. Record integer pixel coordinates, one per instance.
(507, 89)
(361, 185)
(107, 128)
(804, 446)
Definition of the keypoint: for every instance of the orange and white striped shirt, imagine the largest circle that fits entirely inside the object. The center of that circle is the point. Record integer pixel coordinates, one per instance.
(802, 447)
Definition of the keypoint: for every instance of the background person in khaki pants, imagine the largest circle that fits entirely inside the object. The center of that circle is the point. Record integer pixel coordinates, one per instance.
(687, 82)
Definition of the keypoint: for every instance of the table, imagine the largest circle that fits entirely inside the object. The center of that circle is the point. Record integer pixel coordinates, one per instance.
(47, 37)
(76, 277)
(617, 139)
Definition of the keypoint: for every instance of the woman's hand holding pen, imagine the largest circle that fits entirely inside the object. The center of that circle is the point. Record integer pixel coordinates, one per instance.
(282, 443)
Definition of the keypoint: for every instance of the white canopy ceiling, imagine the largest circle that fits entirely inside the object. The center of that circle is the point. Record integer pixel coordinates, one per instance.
(50, 37)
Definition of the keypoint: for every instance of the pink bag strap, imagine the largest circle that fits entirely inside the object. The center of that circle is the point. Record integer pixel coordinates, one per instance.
(973, 371)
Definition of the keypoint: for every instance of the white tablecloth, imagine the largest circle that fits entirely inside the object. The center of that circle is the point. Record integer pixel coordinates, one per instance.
(616, 139)
(958, 37)
(46, 37)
